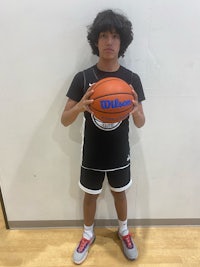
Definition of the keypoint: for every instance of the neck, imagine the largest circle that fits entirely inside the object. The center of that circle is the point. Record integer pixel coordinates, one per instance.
(108, 66)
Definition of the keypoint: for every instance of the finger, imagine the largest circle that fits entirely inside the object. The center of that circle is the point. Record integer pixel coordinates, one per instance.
(135, 94)
(90, 86)
(135, 104)
(88, 102)
(134, 108)
(89, 92)
(89, 110)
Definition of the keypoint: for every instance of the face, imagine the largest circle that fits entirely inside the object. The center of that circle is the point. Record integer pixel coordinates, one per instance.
(109, 45)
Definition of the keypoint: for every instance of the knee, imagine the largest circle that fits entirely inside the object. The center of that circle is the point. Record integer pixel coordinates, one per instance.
(89, 198)
(119, 196)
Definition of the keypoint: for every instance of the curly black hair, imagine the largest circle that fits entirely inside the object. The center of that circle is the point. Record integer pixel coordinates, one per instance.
(107, 21)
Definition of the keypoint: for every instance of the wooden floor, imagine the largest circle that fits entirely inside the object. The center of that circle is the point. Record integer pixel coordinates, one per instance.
(160, 246)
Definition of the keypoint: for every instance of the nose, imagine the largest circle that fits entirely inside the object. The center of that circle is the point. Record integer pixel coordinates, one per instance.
(109, 39)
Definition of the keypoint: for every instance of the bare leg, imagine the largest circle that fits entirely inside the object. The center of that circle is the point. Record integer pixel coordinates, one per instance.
(88, 237)
(89, 208)
(129, 248)
(120, 204)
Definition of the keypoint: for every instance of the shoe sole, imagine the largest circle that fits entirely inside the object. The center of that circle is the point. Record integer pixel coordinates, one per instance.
(131, 259)
(86, 254)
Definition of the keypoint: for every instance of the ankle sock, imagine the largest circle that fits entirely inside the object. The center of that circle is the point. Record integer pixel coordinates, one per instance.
(88, 232)
(123, 228)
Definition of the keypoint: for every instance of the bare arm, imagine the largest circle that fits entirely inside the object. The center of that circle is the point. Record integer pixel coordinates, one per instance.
(138, 116)
(137, 112)
(73, 109)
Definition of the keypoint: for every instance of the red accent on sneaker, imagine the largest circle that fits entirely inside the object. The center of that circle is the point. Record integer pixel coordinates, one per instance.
(128, 241)
(83, 244)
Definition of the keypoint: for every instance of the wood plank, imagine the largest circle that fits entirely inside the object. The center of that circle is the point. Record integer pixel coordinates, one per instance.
(158, 246)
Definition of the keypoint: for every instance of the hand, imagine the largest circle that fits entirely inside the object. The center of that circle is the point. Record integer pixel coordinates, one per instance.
(137, 111)
(83, 104)
(135, 101)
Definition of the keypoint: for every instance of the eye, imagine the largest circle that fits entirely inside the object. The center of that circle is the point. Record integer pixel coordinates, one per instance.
(102, 35)
(116, 36)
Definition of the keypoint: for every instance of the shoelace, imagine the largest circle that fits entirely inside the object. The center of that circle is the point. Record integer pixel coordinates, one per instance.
(128, 241)
(83, 244)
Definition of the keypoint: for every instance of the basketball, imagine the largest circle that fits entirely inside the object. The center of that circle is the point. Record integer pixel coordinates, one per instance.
(112, 100)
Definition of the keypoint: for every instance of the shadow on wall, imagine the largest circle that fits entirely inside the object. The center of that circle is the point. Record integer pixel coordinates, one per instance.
(140, 187)
(49, 168)
(42, 182)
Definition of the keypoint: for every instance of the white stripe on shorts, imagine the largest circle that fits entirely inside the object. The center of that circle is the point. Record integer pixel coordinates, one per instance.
(121, 189)
(89, 191)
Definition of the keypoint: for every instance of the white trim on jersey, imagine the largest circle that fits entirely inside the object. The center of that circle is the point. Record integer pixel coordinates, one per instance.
(82, 138)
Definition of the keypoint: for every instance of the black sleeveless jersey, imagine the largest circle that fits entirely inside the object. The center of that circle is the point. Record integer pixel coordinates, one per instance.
(105, 145)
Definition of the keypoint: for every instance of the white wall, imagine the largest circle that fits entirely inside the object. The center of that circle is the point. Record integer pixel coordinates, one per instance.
(43, 44)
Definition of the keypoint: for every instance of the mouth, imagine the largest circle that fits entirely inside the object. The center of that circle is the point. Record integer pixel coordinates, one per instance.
(108, 50)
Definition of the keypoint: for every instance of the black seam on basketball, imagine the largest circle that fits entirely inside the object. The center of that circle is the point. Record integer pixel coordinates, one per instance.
(120, 93)
(100, 82)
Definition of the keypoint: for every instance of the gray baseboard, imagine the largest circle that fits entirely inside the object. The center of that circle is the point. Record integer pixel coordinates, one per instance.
(103, 223)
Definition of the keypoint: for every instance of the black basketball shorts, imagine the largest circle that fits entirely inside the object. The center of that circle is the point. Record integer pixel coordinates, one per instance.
(91, 181)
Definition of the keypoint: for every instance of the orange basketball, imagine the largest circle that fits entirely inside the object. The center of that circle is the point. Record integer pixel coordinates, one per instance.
(112, 100)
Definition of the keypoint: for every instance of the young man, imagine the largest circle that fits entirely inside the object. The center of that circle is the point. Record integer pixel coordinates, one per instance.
(106, 146)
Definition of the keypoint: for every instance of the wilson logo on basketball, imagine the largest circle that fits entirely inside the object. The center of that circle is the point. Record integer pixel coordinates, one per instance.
(106, 104)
